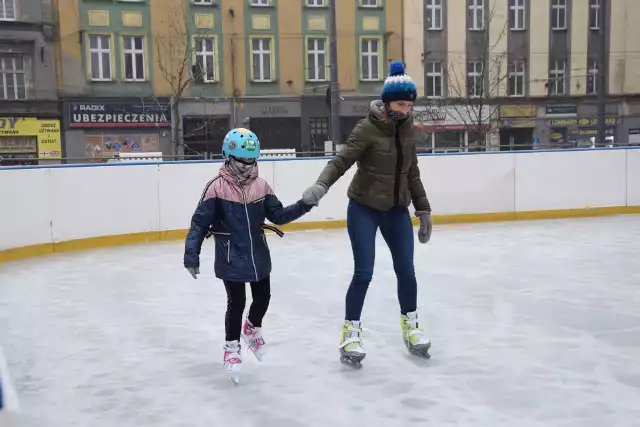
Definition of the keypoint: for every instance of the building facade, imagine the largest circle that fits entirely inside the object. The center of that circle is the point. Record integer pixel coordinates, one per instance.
(220, 64)
(535, 61)
(29, 109)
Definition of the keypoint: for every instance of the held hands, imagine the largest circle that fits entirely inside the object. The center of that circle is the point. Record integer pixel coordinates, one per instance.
(313, 194)
(424, 232)
(194, 271)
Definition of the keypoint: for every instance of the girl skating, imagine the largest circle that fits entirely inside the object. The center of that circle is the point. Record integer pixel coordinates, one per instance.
(386, 183)
(233, 208)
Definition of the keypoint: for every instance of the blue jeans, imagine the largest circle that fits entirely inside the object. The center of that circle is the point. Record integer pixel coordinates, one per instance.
(397, 231)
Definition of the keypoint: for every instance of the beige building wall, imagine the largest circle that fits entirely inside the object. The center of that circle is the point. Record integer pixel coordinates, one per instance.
(632, 39)
(291, 58)
(618, 44)
(498, 38)
(234, 42)
(539, 48)
(457, 45)
(579, 47)
(347, 45)
(414, 42)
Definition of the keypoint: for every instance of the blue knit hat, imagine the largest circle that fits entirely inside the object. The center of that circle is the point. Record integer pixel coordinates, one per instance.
(398, 86)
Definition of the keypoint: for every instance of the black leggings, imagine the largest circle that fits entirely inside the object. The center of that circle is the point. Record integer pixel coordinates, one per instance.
(236, 300)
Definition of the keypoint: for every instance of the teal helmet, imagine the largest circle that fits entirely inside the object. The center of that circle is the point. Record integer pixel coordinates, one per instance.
(242, 143)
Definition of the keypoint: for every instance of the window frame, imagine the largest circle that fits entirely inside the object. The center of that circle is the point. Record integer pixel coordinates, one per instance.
(515, 74)
(316, 53)
(13, 72)
(111, 51)
(379, 54)
(558, 75)
(370, 3)
(594, 12)
(434, 75)
(216, 57)
(514, 8)
(272, 59)
(558, 10)
(125, 51)
(473, 8)
(592, 76)
(260, 3)
(434, 10)
(476, 76)
(322, 3)
(14, 3)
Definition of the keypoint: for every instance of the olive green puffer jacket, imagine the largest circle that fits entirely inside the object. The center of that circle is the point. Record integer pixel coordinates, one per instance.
(388, 173)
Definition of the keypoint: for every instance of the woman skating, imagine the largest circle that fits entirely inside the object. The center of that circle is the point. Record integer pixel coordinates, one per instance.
(386, 183)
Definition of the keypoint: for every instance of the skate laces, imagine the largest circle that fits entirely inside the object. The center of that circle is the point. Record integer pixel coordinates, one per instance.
(232, 355)
(254, 336)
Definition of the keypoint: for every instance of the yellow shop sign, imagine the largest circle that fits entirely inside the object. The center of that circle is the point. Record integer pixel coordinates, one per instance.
(46, 131)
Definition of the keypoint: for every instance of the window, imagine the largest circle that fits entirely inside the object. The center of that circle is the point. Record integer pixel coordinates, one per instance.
(134, 58)
(475, 80)
(317, 60)
(516, 78)
(434, 79)
(203, 2)
(434, 14)
(592, 77)
(516, 14)
(100, 57)
(205, 59)
(315, 3)
(557, 78)
(319, 130)
(7, 10)
(369, 3)
(370, 59)
(594, 14)
(261, 54)
(14, 76)
(260, 2)
(558, 14)
(476, 15)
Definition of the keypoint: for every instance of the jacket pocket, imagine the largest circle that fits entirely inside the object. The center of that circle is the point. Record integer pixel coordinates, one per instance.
(227, 246)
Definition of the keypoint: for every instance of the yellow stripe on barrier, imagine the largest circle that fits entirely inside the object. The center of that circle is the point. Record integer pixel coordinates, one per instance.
(14, 254)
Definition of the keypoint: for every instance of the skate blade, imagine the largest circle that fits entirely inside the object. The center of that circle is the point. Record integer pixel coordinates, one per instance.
(421, 351)
(352, 361)
(235, 378)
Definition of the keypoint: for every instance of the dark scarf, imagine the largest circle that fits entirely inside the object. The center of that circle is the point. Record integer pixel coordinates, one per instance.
(396, 117)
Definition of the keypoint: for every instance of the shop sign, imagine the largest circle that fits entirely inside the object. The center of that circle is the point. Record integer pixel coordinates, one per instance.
(592, 131)
(516, 111)
(99, 115)
(584, 121)
(453, 117)
(47, 133)
(634, 136)
(275, 110)
(562, 108)
(360, 109)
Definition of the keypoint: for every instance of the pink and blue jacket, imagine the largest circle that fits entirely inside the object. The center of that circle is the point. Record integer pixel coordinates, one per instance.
(234, 212)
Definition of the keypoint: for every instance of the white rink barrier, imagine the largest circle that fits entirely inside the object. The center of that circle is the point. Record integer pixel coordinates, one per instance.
(45, 208)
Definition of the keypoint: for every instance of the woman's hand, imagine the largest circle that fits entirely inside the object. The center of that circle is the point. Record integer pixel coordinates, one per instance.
(313, 194)
(426, 225)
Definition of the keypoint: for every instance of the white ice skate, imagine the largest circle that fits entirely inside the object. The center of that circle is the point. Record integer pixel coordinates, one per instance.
(254, 339)
(413, 337)
(232, 360)
(351, 351)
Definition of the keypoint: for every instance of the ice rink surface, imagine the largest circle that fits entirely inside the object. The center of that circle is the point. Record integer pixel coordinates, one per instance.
(532, 324)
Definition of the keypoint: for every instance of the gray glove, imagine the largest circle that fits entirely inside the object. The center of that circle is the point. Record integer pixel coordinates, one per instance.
(313, 194)
(194, 271)
(424, 232)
